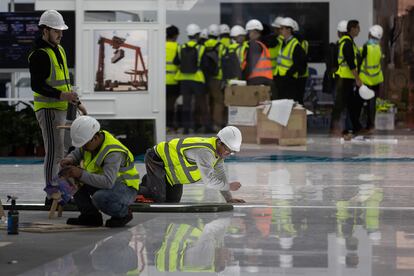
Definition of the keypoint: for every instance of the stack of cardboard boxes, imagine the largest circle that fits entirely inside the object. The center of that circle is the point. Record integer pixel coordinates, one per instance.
(249, 115)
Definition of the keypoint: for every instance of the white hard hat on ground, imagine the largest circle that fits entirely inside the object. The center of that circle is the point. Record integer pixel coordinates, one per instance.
(214, 30)
(231, 137)
(366, 93)
(193, 29)
(254, 24)
(288, 22)
(204, 33)
(83, 129)
(376, 31)
(342, 26)
(53, 19)
(237, 30)
(296, 26)
(276, 22)
(224, 29)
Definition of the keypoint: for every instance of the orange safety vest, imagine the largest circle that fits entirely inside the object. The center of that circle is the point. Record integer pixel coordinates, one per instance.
(263, 67)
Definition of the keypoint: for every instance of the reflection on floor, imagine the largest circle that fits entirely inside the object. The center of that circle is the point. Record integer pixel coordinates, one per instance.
(347, 212)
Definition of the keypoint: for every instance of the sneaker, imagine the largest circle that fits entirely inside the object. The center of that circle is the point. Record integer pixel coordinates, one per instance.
(86, 220)
(119, 222)
(143, 199)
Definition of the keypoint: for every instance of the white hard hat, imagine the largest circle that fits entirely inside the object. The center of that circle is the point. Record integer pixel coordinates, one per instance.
(83, 129)
(193, 29)
(295, 26)
(366, 93)
(231, 137)
(342, 26)
(286, 242)
(224, 29)
(276, 22)
(254, 24)
(376, 31)
(204, 33)
(53, 19)
(237, 30)
(288, 22)
(214, 30)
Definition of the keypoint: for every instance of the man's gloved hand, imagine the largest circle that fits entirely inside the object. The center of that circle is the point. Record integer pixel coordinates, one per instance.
(71, 97)
(71, 171)
(66, 162)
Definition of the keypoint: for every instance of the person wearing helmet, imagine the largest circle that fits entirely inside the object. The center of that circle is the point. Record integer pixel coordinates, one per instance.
(108, 178)
(291, 62)
(203, 36)
(52, 92)
(302, 78)
(191, 77)
(371, 73)
(172, 85)
(181, 161)
(224, 35)
(233, 54)
(256, 65)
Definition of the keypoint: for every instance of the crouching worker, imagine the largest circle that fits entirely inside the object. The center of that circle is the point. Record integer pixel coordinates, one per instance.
(108, 178)
(187, 160)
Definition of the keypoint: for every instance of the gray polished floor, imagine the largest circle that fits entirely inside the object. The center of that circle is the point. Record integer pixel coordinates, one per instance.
(330, 208)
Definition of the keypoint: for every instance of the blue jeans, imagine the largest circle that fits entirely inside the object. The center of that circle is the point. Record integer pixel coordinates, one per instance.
(114, 202)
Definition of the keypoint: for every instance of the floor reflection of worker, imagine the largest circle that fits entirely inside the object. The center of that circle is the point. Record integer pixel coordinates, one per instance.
(194, 248)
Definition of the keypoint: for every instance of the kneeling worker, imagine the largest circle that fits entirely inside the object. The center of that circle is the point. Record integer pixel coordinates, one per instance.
(108, 178)
(187, 160)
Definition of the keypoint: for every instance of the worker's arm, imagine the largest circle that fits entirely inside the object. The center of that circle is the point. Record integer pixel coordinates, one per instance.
(299, 62)
(72, 159)
(349, 56)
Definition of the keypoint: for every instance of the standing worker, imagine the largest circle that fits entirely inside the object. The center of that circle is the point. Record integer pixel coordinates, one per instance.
(346, 96)
(51, 87)
(291, 62)
(371, 72)
(302, 79)
(108, 178)
(233, 54)
(171, 67)
(274, 45)
(171, 165)
(225, 35)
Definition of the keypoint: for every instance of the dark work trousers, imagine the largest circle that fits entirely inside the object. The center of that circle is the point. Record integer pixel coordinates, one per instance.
(216, 98)
(273, 89)
(188, 90)
(173, 92)
(301, 90)
(154, 184)
(369, 107)
(286, 87)
(84, 201)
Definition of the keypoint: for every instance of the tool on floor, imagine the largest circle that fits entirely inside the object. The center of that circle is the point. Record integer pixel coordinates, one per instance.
(12, 217)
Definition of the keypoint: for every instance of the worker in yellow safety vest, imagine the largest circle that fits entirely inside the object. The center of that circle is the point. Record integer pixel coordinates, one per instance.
(180, 161)
(234, 53)
(274, 49)
(225, 35)
(302, 78)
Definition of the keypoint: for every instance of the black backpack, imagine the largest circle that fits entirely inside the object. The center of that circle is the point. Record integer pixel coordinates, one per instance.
(230, 65)
(211, 61)
(188, 59)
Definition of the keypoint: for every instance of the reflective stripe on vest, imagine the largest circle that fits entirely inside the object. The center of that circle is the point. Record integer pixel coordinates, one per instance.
(58, 78)
(371, 73)
(263, 67)
(285, 58)
(127, 174)
(197, 76)
(343, 70)
(178, 169)
(171, 69)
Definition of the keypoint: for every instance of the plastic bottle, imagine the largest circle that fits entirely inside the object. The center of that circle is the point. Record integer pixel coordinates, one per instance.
(12, 217)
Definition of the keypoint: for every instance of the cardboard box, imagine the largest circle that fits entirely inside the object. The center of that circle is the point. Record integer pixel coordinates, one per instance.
(385, 121)
(249, 134)
(246, 95)
(242, 116)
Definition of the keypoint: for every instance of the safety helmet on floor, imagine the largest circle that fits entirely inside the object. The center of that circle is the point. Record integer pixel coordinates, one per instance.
(237, 30)
(204, 33)
(224, 29)
(231, 137)
(342, 26)
(254, 24)
(376, 31)
(53, 19)
(288, 22)
(214, 30)
(366, 93)
(83, 129)
(192, 29)
(276, 22)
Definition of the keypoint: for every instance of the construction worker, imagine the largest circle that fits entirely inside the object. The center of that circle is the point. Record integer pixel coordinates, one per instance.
(291, 62)
(346, 96)
(191, 77)
(171, 165)
(256, 66)
(233, 54)
(172, 85)
(203, 36)
(274, 45)
(302, 79)
(225, 35)
(51, 87)
(108, 178)
(370, 71)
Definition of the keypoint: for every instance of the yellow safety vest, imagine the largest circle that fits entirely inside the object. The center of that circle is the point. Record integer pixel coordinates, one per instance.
(305, 47)
(58, 78)
(285, 58)
(128, 174)
(171, 48)
(170, 256)
(197, 76)
(225, 41)
(274, 52)
(370, 72)
(343, 71)
(211, 43)
(178, 169)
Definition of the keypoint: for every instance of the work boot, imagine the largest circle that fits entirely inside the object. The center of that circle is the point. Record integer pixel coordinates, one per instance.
(86, 220)
(119, 222)
(143, 199)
